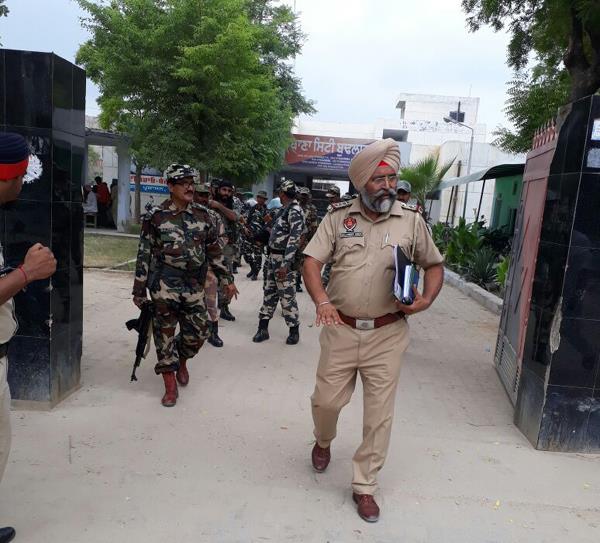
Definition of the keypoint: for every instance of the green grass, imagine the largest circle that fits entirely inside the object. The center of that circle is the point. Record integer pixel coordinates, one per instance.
(108, 251)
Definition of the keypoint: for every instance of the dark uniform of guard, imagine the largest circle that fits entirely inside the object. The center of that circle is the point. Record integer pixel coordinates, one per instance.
(286, 233)
(311, 222)
(254, 240)
(176, 248)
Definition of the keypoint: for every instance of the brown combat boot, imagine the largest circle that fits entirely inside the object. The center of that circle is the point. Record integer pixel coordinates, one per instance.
(320, 458)
(183, 377)
(170, 397)
(367, 509)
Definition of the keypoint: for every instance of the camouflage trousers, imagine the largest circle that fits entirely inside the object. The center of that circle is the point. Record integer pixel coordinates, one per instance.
(229, 256)
(237, 253)
(211, 288)
(176, 303)
(252, 253)
(298, 263)
(279, 291)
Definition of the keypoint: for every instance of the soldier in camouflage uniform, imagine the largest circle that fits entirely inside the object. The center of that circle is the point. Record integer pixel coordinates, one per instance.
(211, 285)
(286, 232)
(238, 207)
(177, 243)
(311, 221)
(254, 235)
(224, 204)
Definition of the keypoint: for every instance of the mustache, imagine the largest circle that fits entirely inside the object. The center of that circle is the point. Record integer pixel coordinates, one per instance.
(383, 192)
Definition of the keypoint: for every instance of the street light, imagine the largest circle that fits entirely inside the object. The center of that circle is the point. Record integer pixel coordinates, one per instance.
(454, 121)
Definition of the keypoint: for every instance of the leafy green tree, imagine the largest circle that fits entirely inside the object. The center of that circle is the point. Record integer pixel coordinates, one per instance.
(533, 98)
(203, 81)
(560, 39)
(425, 175)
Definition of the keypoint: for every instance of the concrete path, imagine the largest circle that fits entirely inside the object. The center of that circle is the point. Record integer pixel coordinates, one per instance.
(230, 463)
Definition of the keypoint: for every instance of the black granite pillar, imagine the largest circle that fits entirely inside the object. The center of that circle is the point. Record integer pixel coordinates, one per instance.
(42, 97)
(558, 403)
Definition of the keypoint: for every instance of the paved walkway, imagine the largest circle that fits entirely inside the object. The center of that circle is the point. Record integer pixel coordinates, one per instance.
(230, 462)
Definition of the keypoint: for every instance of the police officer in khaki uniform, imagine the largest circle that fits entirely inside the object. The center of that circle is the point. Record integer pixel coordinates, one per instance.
(365, 328)
(39, 263)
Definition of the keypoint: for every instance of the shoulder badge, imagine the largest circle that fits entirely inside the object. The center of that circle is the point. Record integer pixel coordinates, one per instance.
(409, 207)
(339, 205)
(150, 212)
(196, 205)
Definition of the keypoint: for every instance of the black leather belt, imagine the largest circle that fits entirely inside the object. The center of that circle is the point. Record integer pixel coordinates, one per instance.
(3, 350)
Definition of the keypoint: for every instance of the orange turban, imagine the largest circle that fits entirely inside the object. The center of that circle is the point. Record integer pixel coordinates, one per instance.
(365, 163)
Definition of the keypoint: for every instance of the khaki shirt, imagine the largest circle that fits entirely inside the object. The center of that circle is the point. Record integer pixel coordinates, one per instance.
(8, 323)
(362, 275)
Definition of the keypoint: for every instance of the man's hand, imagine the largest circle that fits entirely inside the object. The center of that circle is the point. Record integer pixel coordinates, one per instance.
(39, 263)
(282, 273)
(231, 291)
(327, 315)
(139, 300)
(419, 304)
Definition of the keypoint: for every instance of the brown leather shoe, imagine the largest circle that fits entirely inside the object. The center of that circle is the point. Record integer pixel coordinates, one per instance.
(171, 393)
(367, 508)
(183, 377)
(320, 458)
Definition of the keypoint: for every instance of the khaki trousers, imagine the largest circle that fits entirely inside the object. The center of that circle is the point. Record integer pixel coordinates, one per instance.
(4, 416)
(377, 356)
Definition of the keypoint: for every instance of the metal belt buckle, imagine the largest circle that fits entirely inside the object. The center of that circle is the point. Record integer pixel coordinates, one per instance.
(365, 324)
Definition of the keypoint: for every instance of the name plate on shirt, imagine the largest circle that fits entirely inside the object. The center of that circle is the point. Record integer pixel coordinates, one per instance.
(351, 235)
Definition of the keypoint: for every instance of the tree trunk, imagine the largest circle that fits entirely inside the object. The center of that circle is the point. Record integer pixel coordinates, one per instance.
(138, 194)
(585, 76)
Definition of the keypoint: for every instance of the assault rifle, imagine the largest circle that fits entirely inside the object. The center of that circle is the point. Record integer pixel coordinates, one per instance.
(142, 326)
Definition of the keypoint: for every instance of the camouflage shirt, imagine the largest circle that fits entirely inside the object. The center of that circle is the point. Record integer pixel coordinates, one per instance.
(185, 240)
(287, 231)
(255, 220)
(311, 220)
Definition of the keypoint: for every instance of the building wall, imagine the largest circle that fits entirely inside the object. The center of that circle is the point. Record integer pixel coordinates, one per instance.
(485, 155)
(507, 198)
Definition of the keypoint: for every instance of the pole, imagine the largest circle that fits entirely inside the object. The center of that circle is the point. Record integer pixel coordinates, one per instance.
(480, 200)
(468, 168)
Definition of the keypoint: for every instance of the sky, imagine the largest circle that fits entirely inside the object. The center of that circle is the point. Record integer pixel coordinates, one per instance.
(359, 55)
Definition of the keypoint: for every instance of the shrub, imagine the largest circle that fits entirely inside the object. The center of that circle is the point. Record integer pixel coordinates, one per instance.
(481, 267)
(464, 241)
(441, 234)
(497, 239)
(502, 271)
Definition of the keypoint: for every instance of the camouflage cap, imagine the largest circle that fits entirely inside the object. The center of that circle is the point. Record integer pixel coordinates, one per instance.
(347, 196)
(288, 186)
(261, 194)
(332, 191)
(177, 172)
(201, 188)
(304, 190)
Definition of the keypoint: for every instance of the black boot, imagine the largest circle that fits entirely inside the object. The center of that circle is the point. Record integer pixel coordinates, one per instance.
(250, 273)
(225, 314)
(294, 336)
(299, 284)
(263, 331)
(254, 273)
(214, 338)
(7, 534)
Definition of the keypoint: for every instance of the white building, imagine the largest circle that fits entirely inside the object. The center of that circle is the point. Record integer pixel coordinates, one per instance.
(421, 124)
